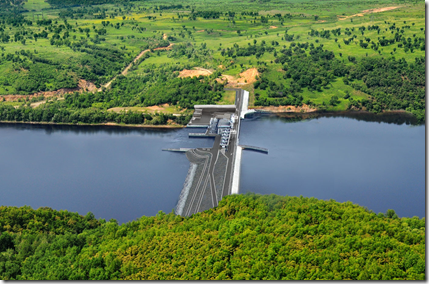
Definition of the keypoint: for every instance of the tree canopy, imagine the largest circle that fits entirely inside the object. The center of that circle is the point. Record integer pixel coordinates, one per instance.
(246, 237)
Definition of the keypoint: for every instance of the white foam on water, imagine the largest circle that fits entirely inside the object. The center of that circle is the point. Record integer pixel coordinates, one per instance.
(186, 187)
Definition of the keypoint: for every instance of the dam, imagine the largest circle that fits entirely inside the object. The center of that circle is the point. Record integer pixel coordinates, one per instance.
(214, 172)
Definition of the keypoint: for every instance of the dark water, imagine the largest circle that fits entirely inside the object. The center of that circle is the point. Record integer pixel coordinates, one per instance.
(113, 172)
(374, 164)
(123, 174)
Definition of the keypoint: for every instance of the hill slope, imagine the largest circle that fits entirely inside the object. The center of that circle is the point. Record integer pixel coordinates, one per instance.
(245, 237)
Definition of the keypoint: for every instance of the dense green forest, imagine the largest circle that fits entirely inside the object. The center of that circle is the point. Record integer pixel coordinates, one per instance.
(246, 237)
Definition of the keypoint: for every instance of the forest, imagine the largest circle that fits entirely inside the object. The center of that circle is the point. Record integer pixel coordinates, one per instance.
(258, 237)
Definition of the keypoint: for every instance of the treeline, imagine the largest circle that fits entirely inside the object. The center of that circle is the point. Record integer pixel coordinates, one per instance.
(72, 3)
(184, 92)
(257, 50)
(11, 7)
(392, 84)
(409, 44)
(248, 236)
(31, 73)
(313, 70)
(56, 112)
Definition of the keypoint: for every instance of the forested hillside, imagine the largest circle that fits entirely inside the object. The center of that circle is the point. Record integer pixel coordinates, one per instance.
(245, 237)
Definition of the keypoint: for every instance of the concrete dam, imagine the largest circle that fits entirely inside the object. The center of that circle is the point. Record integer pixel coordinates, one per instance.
(214, 172)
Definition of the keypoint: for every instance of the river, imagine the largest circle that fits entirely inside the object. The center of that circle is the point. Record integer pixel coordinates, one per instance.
(122, 173)
(359, 158)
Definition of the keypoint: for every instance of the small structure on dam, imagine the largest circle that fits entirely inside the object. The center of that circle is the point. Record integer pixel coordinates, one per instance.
(214, 172)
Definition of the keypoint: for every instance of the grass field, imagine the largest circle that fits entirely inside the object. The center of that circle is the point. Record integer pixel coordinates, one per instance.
(131, 26)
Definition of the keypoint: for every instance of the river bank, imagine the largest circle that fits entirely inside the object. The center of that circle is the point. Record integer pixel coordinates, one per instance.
(168, 126)
(396, 116)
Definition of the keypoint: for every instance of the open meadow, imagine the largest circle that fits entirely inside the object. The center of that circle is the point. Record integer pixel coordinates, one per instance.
(325, 55)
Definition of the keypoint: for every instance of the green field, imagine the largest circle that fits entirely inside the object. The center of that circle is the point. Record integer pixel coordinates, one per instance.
(53, 44)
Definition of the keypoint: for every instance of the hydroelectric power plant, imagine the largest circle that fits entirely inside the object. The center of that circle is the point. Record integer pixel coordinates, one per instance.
(214, 172)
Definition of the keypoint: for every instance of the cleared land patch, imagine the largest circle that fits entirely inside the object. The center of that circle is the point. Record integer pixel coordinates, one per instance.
(378, 10)
(194, 73)
(247, 77)
(165, 108)
(290, 108)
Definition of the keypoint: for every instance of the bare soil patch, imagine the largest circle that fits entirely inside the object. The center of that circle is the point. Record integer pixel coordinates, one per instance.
(246, 77)
(165, 108)
(275, 109)
(273, 27)
(194, 73)
(377, 10)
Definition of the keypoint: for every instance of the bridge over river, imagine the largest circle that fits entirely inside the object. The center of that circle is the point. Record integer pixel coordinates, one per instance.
(214, 172)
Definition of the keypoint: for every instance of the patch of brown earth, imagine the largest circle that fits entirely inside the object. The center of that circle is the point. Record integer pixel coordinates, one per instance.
(273, 27)
(194, 73)
(200, 31)
(247, 77)
(164, 36)
(278, 109)
(155, 108)
(378, 10)
(83, 86)
(221, 66)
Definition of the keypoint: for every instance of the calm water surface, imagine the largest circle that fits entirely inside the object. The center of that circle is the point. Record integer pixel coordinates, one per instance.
(123, 174)
(112, 172)
(374, 164)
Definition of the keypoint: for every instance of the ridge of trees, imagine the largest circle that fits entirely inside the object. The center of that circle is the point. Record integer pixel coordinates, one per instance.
(260, 237)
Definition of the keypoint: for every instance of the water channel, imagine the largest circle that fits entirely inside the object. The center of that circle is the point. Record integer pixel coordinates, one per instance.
(122, 173)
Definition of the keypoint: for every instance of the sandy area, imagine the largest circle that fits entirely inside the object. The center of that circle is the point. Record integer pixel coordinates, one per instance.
(378, 10)
(273, 27)
(274, 109)
(246, 77)
(194, 73)
(200, 31)
(164, 36)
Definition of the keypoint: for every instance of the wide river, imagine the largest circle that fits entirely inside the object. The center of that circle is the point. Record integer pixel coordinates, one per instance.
(123, 173)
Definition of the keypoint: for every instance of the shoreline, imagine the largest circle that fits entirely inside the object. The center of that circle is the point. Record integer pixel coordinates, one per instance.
(261, 111)
(98, 124)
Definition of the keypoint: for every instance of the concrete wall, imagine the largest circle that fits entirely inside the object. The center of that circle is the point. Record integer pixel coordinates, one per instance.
(216, 107)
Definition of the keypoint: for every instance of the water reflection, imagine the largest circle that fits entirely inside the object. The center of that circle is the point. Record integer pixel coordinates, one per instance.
(397, 118)
(374, 161)
(85, 129)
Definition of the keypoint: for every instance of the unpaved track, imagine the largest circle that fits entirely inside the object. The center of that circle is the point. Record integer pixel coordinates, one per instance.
(125, 71)
(378, 10)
